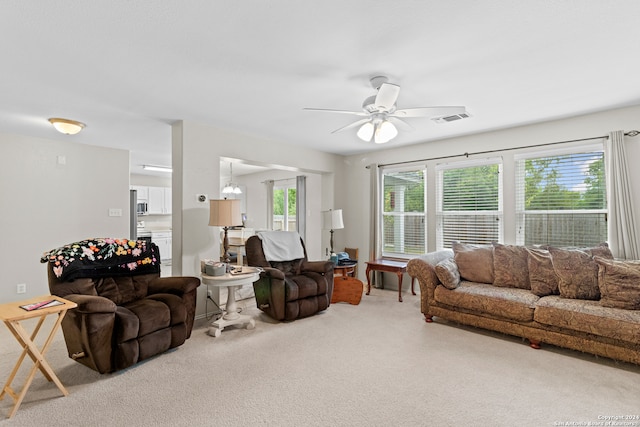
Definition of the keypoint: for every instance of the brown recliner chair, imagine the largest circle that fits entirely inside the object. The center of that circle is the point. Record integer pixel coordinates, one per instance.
(126, 313)
(293, 289)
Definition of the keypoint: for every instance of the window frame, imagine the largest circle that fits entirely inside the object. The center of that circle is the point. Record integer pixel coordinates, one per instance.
(285, 220)
(386, 171)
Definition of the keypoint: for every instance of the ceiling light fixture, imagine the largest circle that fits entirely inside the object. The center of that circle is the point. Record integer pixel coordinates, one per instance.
(379, 128)
(66, 126)
(231, 188)
(385, 132)
(157, 168)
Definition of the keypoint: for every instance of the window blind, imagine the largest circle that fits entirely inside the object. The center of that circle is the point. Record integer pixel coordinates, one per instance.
(561, 198)
(469, 202)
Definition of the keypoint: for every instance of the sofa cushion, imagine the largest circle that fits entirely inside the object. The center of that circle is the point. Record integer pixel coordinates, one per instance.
(577, 273)
(288, 267)
(475, 263)
(589, 317)
(152, 315)
(510, 266)
(447, 272)
(305, 285)
(123, 289)
(482, 299)
(619, 283)
(542, 276)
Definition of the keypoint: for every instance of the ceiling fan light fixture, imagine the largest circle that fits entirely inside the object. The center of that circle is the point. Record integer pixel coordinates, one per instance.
(366, 131)
(385, 132)
(66, 126)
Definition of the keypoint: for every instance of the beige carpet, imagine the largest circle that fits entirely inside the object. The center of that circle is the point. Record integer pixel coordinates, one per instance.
(374, 364)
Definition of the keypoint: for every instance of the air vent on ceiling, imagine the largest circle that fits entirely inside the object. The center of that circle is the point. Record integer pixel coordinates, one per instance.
(451, 118)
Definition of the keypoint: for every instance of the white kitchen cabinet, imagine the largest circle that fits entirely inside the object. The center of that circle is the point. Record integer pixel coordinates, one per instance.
(142, 193)
(164, 242)
(159, 201)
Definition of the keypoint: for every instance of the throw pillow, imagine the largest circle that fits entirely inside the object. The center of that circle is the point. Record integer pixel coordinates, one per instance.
(619, 283)
(447, 272)
(542, 277)
(577, 273)
(602, 250)
(475, 263)
(510, 266)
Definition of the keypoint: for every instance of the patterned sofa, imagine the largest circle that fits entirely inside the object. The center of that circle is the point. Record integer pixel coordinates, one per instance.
(581, 299)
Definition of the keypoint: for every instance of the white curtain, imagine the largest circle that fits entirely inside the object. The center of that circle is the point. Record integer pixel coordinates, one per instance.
(375, 230)
(301, 206)
(269, 186)
(623, 236)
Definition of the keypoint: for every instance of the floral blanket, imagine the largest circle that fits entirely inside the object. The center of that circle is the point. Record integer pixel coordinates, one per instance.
(103, 257)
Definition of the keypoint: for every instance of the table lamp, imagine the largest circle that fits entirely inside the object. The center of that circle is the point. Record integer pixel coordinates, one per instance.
(225, 213)
(332, 220)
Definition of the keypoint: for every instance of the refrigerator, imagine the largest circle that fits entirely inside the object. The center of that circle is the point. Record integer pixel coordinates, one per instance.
(133, 214)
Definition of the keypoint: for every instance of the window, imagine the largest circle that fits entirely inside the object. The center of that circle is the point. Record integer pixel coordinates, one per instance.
(561, 198)
(469, 202)
(403, 212)
(284, 219)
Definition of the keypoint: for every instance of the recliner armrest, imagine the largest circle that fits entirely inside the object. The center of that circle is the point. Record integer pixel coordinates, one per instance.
(92, 303)
(274, 273)
(317, 266)
(178, 285)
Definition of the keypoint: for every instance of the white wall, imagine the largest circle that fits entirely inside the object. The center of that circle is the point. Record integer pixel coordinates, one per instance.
(150, 180)
(46, 204)
(196, 153)
(355, 196)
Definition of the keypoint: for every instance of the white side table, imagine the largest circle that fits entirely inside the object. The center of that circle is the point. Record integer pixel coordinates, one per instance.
(231, 315)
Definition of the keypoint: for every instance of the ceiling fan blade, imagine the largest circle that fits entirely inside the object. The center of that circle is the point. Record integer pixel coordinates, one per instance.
(352, 125)
(325, 110)
(387, 96)
(428, 111)
(401, 124)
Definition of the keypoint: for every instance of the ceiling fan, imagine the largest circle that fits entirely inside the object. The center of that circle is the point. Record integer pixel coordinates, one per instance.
(381, 115)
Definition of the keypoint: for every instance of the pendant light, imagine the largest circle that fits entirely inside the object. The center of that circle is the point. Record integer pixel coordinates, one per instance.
(230, 187)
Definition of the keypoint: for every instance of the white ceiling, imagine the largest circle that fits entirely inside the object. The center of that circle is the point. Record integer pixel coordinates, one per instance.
(129, 69)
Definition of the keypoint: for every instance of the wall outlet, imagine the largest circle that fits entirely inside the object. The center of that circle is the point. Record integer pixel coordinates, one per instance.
(202, 198)
(115, 212)
(209, 293)
(21, 288)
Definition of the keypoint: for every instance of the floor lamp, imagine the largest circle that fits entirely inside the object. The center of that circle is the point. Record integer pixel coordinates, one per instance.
(332, 220)
(225, 213)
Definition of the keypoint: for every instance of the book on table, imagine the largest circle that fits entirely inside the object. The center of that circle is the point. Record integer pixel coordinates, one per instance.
(41, 304)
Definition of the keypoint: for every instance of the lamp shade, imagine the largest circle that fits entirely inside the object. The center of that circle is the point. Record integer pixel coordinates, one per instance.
(224, 213)
(385, 132)
(332, 219)
(366, 131)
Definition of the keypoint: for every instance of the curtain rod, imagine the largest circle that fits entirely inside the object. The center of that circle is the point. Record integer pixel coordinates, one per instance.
(631, 133)
(281, 179)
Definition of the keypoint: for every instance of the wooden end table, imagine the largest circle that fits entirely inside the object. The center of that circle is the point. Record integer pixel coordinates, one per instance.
(345, 269)
(390, 266)
(12, 314)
